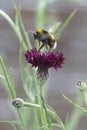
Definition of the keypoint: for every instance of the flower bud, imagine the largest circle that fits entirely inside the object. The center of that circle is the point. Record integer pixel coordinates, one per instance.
(82, 86)
(18, 103)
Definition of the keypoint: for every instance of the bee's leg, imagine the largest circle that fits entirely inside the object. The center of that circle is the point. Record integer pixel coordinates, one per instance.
(41, 46)
(35, 41)
(47, 47)
(39, 42)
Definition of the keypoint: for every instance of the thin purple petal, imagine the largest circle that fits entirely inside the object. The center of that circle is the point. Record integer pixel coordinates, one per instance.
(44, 59)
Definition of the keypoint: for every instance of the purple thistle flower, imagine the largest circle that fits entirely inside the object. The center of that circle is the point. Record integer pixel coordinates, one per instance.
(44, 60)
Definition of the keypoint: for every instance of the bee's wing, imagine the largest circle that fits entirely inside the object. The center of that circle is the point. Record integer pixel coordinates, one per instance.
(54, 28)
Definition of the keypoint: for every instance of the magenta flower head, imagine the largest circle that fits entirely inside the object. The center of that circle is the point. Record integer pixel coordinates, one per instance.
(44, 60)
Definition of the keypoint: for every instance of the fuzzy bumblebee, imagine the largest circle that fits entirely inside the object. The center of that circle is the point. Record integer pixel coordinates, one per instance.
(46, 38)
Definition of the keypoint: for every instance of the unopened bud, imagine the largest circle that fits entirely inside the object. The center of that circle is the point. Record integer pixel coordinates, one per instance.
(18, 102)
(82, 86)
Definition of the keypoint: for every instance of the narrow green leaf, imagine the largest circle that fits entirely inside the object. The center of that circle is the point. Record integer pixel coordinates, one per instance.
(15, 28)
(74, 119)
(7, 78)
(74, 104)
(25, 34)
(19, 23)
(25, 76)
(1, 76)
(8, 19)
(52, 112)
(8, 121)
(41, 13)
(65, 24)
(13, 123)
(21, 120)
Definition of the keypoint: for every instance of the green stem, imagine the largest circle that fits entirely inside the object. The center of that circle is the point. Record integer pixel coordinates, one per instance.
(37, 99)
(15, 28)
(76, 105)
(20, 23)
(12, 92)
(25, 76)
(42, 115)
(71, 124)
(56, 117)
(8, 19)
(26, 104)
(21, 120)
(9, 121)
(46, 120)
(26, 37)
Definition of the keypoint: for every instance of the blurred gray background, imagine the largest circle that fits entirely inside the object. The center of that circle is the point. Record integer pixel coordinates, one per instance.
(73, 44)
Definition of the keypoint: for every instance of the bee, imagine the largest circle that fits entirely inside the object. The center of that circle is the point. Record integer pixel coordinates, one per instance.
(46, 38)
